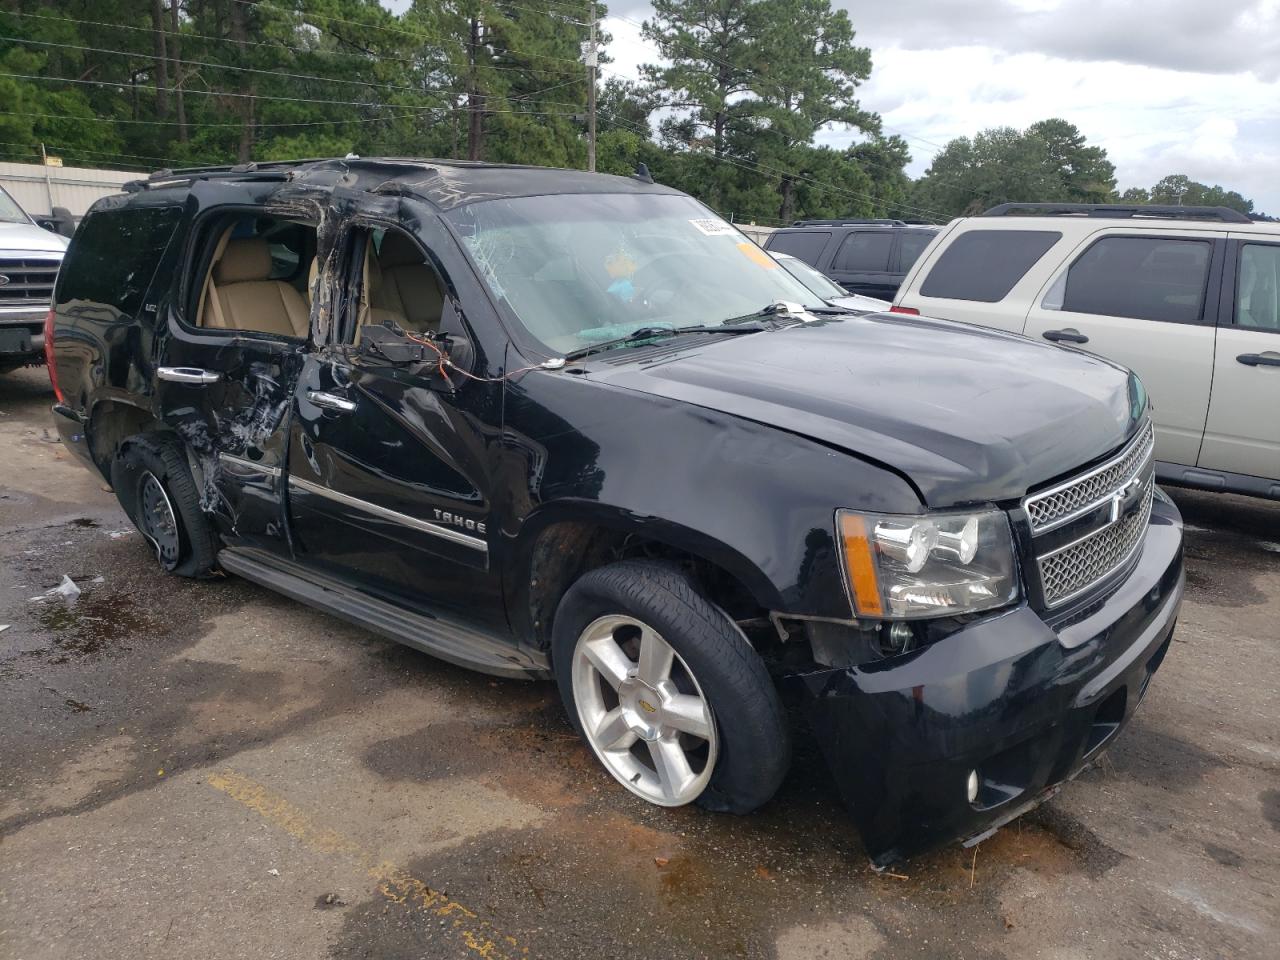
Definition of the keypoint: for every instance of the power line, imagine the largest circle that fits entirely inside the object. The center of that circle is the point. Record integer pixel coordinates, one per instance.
(281, 124)
(107, 153)
(274, 45)
(414, 34)
(744, 163)
(272, 98)
(271, 73)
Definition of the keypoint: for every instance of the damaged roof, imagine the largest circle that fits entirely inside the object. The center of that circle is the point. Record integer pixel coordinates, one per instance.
(444, 183)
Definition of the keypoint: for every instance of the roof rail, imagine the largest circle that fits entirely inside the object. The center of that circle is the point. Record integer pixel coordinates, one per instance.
(1119, 211)
(267, 170)
(848, 222)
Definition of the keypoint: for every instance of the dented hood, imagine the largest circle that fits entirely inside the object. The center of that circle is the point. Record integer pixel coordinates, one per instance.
(966, 414)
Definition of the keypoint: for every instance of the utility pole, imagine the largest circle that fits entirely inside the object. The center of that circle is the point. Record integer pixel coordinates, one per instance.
(592, 60)
(475, 100)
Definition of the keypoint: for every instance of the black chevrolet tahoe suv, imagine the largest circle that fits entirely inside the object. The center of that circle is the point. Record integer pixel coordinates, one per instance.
(543, 423)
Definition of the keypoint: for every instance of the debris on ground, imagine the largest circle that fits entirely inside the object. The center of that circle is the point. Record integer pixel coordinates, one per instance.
(66, 590)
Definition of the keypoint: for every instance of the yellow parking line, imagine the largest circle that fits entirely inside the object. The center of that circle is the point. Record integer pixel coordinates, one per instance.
(397, 885)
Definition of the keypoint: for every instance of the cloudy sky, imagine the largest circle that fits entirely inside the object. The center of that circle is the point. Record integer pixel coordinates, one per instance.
(1167, 86)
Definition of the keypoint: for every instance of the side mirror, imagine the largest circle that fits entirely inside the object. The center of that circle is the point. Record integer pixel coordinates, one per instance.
(386, 343)
(389, 344)
(461, 353)
(66, 223)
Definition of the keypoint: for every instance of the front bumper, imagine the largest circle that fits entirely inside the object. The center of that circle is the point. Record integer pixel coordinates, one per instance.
(1023, 703)
(22, 333)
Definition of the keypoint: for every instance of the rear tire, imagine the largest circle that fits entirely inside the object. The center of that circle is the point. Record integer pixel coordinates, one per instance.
(615, 633)
(154, 485)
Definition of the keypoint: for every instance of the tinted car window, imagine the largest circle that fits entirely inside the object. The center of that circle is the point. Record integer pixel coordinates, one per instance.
(864, 252)
(804, 245)
(913, 244)
(114, 255)
(1257, 305)
(984, 265)
(1141, 277)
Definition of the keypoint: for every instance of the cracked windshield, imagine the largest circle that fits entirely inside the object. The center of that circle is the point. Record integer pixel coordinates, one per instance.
(584, 269)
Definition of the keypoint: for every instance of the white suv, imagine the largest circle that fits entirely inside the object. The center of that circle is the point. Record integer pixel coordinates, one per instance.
(1185, 296)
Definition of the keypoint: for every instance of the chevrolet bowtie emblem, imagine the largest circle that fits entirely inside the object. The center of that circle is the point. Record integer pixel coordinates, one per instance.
(1121, 498)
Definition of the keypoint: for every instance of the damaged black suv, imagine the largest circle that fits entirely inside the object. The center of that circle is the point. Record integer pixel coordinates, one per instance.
(547, 423)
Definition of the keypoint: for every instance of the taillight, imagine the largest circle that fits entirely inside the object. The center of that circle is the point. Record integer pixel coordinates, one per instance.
(48, 355)
(908, 310)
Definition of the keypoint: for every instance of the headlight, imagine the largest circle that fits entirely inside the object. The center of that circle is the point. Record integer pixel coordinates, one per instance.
(902, 567)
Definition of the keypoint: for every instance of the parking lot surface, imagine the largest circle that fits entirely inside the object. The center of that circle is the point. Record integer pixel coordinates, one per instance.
(209, 770)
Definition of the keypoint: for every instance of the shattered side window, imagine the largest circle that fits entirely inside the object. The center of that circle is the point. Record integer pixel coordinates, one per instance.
(114, 255)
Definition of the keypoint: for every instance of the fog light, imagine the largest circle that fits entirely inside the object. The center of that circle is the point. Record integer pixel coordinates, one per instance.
(971, 786)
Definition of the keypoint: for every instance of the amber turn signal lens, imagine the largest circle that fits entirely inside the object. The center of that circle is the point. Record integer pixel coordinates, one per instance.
(861, 565)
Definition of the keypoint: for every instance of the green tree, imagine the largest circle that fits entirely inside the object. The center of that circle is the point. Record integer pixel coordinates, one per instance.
(753, 82)
(1084, 172)
(1049, 161)
(1181, 190)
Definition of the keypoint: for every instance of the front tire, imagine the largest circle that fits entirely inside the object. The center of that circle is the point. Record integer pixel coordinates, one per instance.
(666, 691)
(154, 485)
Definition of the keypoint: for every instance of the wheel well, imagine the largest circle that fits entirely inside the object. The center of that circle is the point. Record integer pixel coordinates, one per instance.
(564, 551)
(110, 425)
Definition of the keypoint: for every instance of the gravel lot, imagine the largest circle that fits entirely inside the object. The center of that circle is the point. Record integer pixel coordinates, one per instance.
(209, 770)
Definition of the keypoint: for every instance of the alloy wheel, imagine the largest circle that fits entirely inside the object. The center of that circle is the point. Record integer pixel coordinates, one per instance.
(643, 712)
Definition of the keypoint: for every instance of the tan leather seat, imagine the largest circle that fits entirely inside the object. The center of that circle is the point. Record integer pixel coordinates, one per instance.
(402, 286)
(241, 297)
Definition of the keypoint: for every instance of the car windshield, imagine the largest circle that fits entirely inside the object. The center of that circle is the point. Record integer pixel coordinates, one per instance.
(816, 281)
(579, 269)
(10, 212)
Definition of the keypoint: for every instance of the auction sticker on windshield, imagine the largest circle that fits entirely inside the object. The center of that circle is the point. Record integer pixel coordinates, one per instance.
(714, 228)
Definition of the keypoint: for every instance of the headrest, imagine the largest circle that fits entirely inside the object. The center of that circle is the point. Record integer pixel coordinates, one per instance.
(398, 251)
(242, 260)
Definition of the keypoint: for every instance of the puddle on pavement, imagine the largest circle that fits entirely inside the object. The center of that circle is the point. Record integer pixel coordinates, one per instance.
(99, 622)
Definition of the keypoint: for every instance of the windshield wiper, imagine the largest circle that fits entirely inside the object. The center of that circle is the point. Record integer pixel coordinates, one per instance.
(781, 310)
(655, 333)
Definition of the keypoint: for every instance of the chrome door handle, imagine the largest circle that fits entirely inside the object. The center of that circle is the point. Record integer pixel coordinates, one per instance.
(188, 375)
(1267, 359)
(331, 401)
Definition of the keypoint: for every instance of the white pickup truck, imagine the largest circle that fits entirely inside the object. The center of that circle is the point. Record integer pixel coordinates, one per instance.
(29, 261)
(1187, 297)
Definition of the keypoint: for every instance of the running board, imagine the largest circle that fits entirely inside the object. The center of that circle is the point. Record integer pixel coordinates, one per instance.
(438, 635)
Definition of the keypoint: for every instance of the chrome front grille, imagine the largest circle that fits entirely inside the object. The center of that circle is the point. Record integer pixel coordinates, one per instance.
(28, 281)
(1077, 496)
(1070, 570)
(1100, 518)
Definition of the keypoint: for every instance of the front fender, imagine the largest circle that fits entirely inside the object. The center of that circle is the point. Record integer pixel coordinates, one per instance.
(757, 501)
